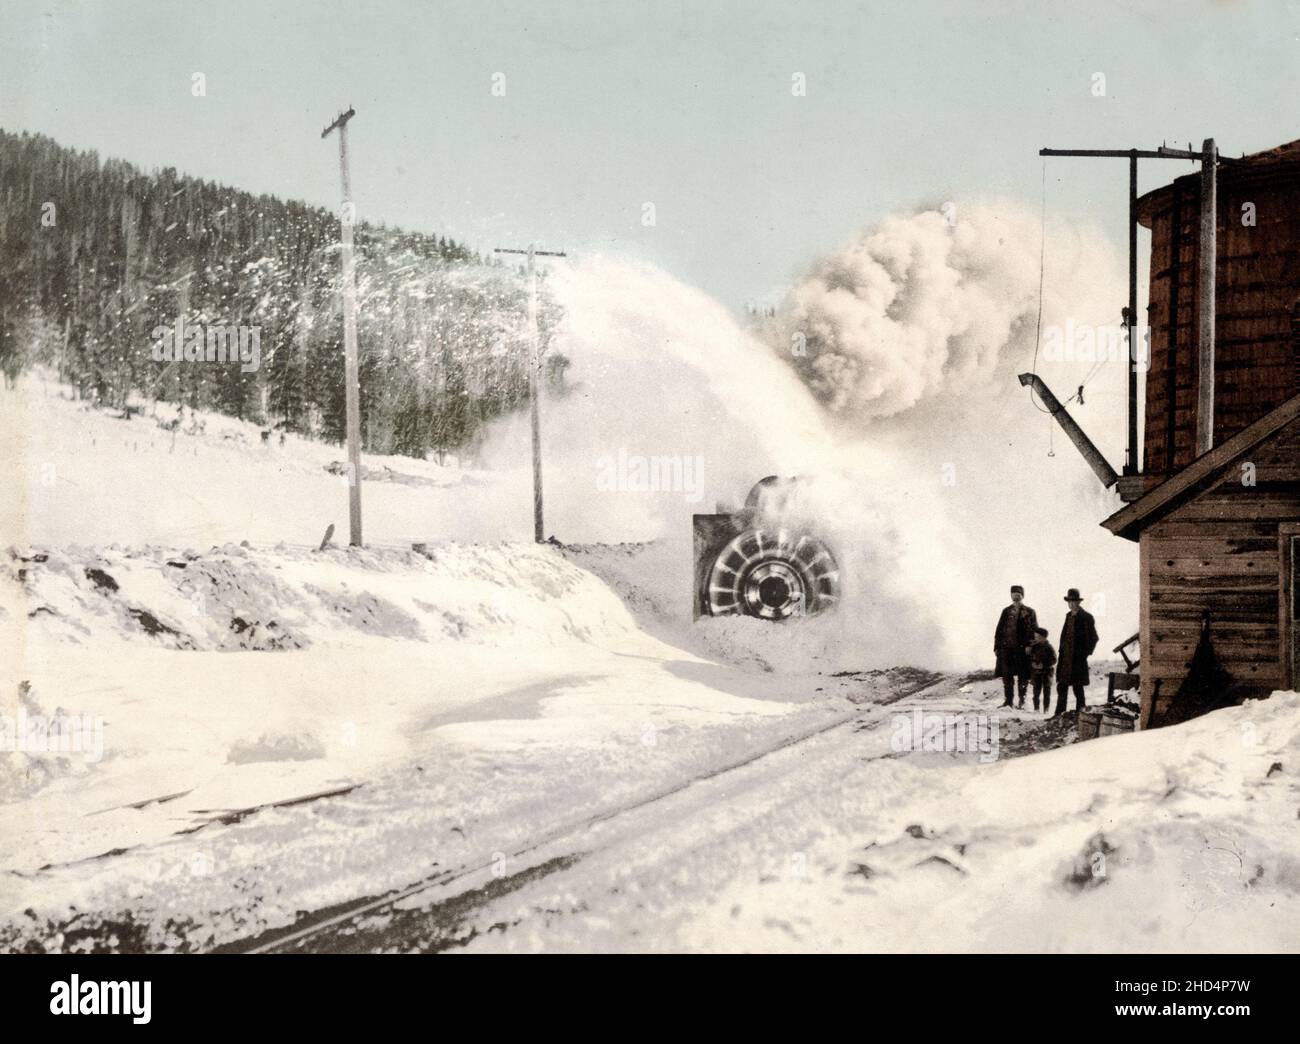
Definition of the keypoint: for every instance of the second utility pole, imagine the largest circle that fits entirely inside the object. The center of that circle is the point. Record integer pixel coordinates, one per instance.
(352, 392)
(534, 376)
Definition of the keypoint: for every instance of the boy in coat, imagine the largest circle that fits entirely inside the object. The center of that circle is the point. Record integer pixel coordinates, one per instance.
(1042, 658)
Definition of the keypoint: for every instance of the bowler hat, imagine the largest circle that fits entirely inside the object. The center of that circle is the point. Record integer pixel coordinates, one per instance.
(1072, 595)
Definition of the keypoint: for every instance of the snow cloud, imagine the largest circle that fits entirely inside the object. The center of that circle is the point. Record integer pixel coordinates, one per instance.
(927, 305)
(887, 380)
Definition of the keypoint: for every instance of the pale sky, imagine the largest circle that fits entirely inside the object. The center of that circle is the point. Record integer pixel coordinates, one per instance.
(686, 105)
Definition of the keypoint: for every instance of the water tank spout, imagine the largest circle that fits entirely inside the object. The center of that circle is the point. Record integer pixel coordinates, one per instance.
(1100, 467)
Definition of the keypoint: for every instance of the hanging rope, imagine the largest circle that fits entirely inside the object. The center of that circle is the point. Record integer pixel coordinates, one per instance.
(1042, 268)
(1038, 327)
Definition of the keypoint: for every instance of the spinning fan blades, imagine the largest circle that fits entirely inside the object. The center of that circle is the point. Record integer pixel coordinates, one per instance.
(746, 567)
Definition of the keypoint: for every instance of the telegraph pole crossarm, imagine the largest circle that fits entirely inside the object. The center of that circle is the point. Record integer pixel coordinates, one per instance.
(1164, 152)
(534, 373)
(339, 121)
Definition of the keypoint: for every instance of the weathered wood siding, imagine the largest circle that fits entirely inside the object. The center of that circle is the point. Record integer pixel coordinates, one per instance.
(1221, 551)
(1257, 350)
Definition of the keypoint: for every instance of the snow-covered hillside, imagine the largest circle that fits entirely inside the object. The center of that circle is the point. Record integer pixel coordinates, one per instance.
(85, 476)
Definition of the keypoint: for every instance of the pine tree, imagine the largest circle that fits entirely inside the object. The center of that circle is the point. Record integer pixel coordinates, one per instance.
(94, 256)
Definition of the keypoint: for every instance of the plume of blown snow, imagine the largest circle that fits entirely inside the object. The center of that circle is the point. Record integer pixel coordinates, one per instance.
(911, 336)
(925, 462)
(671, 407)
(929, 305)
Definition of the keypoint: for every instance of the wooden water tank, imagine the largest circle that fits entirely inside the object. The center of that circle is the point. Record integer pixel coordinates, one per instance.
(1257, 301)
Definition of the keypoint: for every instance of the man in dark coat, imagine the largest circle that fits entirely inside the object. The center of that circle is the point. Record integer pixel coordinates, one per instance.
(1011, 641)
(1078, 640)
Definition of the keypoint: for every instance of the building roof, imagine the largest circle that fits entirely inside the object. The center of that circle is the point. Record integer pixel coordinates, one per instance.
(1131, 519)
(1268, 164)
(1286, 153)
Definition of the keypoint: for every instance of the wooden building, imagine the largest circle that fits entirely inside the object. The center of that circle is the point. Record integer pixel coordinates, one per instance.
(1220, 548)
(1219, 531)
(1257, 286)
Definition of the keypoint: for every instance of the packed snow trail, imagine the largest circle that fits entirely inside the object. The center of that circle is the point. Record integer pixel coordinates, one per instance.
(1144, 842)
(326, 929)
(461, 802)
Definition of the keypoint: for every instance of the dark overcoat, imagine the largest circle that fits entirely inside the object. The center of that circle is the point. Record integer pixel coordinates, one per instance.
(1012, 659)
(1075, 647)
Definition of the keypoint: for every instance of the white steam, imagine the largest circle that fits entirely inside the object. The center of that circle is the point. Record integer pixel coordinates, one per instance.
(934, 304)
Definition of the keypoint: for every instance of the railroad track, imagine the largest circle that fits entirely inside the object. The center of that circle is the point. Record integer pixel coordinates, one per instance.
(453, 885)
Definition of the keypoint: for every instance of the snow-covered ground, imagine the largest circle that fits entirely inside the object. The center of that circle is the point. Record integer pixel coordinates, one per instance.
(85, 476)
(470, 695)
(272, 730)
(1182, 839)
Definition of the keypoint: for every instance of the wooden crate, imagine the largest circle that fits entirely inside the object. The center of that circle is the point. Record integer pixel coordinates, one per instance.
(1089, 723)
(1114, 724)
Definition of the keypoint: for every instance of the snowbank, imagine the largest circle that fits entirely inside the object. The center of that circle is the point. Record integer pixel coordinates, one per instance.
(1178, 839)
(1173, 840)
(239, 677)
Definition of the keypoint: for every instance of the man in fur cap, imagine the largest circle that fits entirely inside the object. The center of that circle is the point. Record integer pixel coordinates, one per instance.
(1011, 642)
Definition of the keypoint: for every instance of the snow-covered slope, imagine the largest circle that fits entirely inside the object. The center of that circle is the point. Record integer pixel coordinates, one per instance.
(242, 677)
(1180, 839)
(81, 475)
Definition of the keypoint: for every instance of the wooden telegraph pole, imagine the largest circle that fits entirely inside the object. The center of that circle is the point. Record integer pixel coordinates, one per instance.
(1205, 299)
(534, 377)
(1209, 158)
(352, 390)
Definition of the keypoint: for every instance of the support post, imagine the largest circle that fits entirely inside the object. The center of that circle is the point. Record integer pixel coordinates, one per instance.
(534, 379)
(352, 392)
(1209, 157)
(1131, 462)
(1205, 289)
(534, 397)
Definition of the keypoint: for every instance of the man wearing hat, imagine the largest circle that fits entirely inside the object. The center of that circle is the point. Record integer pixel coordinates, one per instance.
(1078, 640)
(1011, 643)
